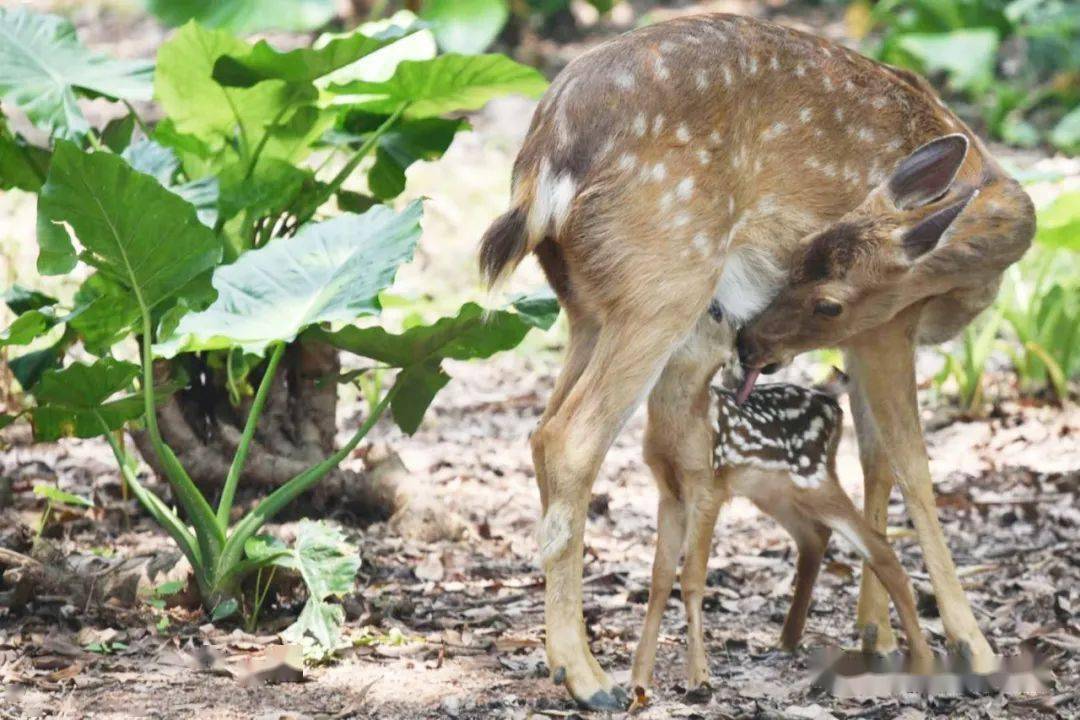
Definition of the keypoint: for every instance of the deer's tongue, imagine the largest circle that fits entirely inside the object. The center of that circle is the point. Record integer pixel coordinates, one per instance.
(747, 386)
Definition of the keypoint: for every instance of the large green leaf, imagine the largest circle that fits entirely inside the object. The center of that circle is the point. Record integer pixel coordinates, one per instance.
(1066, 134)
(197, 105)
(28, 327)
(246, 16)
(108, 316)
(43, 68)
(68, 401)
(966, 56)
(329, 271)
(303, 65)
(398, 148)
(1059, 224)
(465, 26)
(22, 165)
(420, 350)
(445, 84)
(161, 163)
(131, 228)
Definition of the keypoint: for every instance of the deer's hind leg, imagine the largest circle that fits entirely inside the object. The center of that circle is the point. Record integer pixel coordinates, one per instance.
(631, 349)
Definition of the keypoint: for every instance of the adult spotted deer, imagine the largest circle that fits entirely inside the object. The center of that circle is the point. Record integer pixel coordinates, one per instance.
(778, 449)
(703, 158)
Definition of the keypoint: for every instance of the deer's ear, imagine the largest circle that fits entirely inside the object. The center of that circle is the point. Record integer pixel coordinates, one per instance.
(926, 174)
(926, 234)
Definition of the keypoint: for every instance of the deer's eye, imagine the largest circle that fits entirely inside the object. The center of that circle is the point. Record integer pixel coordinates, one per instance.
(828, 308)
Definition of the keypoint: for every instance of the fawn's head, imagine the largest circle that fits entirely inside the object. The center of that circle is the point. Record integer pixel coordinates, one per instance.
(857, 273)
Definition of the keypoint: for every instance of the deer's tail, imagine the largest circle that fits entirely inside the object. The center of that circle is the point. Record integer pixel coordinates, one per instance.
(504, 245)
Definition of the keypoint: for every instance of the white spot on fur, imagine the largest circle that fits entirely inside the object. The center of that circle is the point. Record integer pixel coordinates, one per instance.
(838, 113)
(551, 203)
(657, 125)
(682, 133)
(827, 82)
(666, 201)
(682, 219)
(662, 73)
(879, 102)
(753, 65)
(685, 188)
(715, 138)
(658, 172)
(704, 157)
(667, 46)
(894, 145)
(749, 281)
(624, 80)
(774, 63)
(849, 86)
(728, 77)
(800, 70)
(627, 162)
(776, 130)
(640, 125)
(805, 114)
(829, 169)
(702, 79)
(865, 134)
(701, 243)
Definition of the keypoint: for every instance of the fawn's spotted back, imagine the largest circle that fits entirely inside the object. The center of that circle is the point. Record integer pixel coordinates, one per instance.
(780, 427)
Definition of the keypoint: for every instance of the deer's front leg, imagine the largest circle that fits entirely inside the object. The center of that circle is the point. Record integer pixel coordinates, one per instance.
(883, 371)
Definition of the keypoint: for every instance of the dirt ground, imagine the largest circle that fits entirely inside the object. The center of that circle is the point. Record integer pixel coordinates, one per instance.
(453, 628)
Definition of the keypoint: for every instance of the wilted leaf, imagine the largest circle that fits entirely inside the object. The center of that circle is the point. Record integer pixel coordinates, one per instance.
(133, 230)
(329, 271)
(317, 630)
(448, 83)
(246, 16)
(43, 67)
(465, 26)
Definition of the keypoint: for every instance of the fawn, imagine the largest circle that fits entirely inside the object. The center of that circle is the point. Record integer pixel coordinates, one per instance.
(711, 157)
(778, 449)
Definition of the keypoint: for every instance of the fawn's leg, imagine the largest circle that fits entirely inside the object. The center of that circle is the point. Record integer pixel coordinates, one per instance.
(670, 531)
(811, 538)
(872, 615)
(881, 559)
(571, 444)
(704, 506)
(883, 370)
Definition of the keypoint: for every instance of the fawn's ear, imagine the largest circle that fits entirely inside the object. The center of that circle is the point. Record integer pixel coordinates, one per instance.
(926, 174)
(925, 234)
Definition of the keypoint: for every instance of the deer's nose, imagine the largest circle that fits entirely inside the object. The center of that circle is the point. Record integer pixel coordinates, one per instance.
(747, 349)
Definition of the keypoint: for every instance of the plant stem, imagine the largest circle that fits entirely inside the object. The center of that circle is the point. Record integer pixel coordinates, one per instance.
(304, 214)
(138, 120)
(228, 492)
(210, 537)
(273, 503)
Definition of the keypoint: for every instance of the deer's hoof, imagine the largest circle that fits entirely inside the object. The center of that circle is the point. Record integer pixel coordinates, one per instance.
(700, 694)
(615, 700)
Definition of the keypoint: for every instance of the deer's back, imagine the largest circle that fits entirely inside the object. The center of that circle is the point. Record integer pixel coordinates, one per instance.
(716, 132)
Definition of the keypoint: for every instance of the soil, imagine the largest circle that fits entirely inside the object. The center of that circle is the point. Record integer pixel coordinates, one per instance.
(452, 627)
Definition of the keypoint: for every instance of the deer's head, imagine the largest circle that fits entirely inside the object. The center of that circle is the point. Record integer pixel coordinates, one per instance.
(859, 272)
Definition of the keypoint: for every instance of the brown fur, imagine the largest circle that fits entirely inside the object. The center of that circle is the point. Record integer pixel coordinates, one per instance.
(696, 158)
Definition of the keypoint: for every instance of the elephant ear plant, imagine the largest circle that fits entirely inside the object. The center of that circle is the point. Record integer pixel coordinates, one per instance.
(228, 260)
